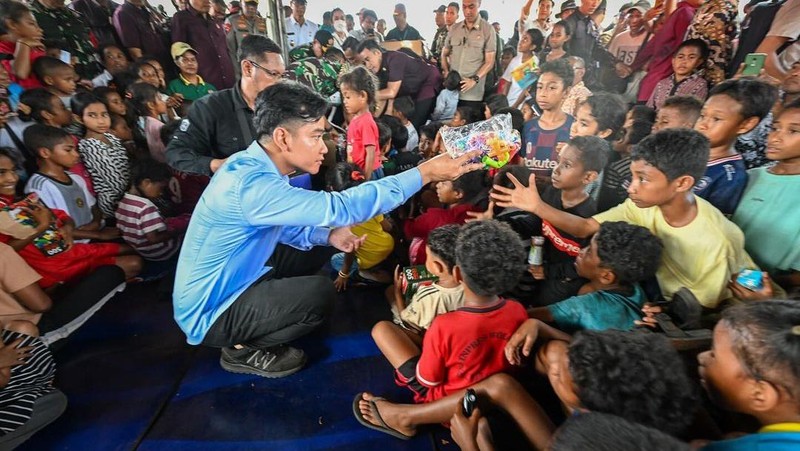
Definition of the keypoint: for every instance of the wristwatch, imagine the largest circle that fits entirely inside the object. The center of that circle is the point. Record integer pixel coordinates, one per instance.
(475, 78)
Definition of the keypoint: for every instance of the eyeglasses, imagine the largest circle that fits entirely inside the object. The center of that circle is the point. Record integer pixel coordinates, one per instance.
(271, 73)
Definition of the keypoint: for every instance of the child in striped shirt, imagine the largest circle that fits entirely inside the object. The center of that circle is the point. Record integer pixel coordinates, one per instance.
(140, 222)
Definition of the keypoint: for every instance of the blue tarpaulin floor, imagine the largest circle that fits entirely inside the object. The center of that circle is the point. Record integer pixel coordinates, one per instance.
(134, 383)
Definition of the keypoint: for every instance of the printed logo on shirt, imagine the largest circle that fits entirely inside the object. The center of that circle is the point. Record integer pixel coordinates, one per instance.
(730, 171)
(562, 244)
(79, 202)
(184, 125)
(701, 184)
(541, 164)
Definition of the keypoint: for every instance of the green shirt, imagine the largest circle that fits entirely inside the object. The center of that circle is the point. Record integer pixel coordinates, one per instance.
(188, 90)
(599, 310)
(301, 52)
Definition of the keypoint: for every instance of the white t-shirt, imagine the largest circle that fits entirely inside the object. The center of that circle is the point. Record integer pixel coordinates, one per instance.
(515, 90)
(624, 47)
(786, 25)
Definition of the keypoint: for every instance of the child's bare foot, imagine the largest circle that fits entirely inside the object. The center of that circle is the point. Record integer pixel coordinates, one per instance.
(391, 414)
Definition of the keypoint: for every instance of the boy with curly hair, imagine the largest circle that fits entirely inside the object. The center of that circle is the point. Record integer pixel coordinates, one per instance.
(619, 256)
(466, 346)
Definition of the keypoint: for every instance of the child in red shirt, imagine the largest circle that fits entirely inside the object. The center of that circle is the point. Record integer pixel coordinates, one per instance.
(24, 42)
(358, 95)
(458, 197)
(466, 346)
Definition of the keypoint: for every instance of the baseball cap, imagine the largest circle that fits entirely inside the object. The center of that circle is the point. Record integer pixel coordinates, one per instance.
(179, 48)
(642, 6)
(440, 9)
(566, 6)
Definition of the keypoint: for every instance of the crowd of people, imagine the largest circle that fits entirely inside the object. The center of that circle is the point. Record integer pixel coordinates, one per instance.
(646, 218)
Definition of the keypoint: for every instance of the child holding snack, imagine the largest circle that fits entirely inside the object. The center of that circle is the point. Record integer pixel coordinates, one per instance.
(44, 238)
(358, 95)
(768, 213)
(379, 243)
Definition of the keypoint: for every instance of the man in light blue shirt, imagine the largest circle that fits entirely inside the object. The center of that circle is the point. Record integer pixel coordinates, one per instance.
(233, 289)
(299, 30)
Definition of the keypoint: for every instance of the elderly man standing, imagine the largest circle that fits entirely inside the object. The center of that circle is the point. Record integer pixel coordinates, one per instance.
(197, 28)
(470, 49)
(299, 30)
(402, 31)
(242, 24)
(405, 76)
(66, 26)
(221, 124)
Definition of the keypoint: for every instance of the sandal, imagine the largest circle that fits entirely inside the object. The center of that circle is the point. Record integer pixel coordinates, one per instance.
(383, 427)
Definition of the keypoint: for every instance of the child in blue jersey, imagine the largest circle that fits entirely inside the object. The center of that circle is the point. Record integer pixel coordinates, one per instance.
(619, 256)
(753, 368)
(733, 108)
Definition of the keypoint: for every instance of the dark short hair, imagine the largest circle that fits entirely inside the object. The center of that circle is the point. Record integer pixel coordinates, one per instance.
(638, 131)
(102, 49)
(582, 432)
(688, 107)
(141, 94)
(537, 38)
(369, 13)
(645, 113)
(675, 152)
(561, 68)
(491, 257)
(442, 242)
(455, 5)
(39, 100)
(399, 131)
(46, 65)
(452, 81)
(473, 186)
(254, 46)
(699, 44)
(40, 136)
(285, 104)
(81, 100)
(361, 79)
(341, 176)
(592, 151)
(755, 96)
(495, 102)
(384, 134)
(519, 172)
(149, 169)
(661, 395)
(631, 252)
(430, 130)
(350, 43)
(609, 111)
(565, 25)
(369, 44)
(335, 53)
(470, 114)
(405, 106)
(765, 341)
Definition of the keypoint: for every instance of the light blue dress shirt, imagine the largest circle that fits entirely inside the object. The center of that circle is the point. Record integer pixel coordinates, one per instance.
(247, 209)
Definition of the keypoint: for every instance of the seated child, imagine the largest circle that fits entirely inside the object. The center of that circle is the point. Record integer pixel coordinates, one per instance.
(447, 100)
(114, 61)
(189, 84)
(358, 95)
(149, 107)
(114, 102)
(392, 136)
(465, 346)
(23, 41)
(733, 108)
(767, 213)
(57, 77)
(103, 154)
(138, 219)
(28, 399)
(586, 431)
(60, 189)
(543, 133)
(644, 114)
(445, 295)
(379, 243)
(458, 197)
(617, 175)
(703, 249)
(493, 103)
(687, 78)
(584, 375)
(466, 115)
(619, 256)
(403, 109)
(427, 136)
(677, 112)
(528, 112)
(753, 368)
(46, 243)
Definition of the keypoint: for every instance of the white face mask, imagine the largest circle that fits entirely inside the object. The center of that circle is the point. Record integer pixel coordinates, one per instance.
(340, 26)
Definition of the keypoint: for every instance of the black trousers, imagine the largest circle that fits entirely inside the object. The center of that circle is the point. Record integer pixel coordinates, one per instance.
(422, 110)
(283, 305)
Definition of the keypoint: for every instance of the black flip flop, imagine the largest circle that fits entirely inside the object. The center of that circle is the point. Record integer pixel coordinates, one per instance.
(383, 426)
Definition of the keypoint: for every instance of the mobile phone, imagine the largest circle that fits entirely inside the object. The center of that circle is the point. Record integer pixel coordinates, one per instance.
(468, 404)
(753, 63)
(65, 57)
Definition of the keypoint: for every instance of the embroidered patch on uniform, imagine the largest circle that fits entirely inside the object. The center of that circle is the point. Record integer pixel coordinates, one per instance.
(184, 125)
(79, 202)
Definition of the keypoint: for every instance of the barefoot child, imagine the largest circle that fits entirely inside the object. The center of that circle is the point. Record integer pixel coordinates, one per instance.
(358, 95)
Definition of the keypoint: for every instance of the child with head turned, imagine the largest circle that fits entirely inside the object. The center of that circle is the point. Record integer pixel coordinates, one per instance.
(733, 108)
(705, 249)
(678, 112)
(57, 77)
(358, 95)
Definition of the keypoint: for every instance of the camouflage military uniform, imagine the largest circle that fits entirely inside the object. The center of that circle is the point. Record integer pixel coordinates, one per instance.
(318, 74)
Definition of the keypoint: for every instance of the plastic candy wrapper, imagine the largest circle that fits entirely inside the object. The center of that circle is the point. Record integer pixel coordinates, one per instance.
(495, 138)
(751, 279)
